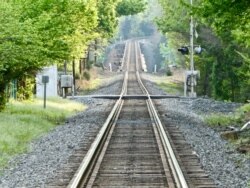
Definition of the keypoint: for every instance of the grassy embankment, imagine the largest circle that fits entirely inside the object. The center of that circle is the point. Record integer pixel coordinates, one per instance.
(90, 83)
(172, 85)
(237, 119)
(20, 123)
(87, 86)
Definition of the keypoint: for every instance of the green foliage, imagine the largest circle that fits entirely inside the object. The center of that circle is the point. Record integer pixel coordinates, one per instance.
(223, 33)
(107, 21)
(39, 33)
(130, 7)
(238, 118)
(222, 120)
(168, 72)
(35, 34)
(3, 97)
(244, 111)
(171, 88)
(174, 18)
(25, 89)
(227, 16)
(24, 122)
(245, 108)
(230, 21)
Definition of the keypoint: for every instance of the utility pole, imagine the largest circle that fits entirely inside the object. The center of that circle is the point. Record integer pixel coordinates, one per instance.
(74, 75)
(192, 53)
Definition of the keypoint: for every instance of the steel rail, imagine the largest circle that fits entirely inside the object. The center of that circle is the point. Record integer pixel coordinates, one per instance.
(124, 54)
(82, 174)
(88, 163)
(173, 162)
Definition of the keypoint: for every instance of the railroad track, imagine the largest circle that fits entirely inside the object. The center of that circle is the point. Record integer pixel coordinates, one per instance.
(133, 149)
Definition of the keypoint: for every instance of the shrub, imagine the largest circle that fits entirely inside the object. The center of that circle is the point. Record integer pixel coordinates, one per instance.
(86, 75)
(169, 73)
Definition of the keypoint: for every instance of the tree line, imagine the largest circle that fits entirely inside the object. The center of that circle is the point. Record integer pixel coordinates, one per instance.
(223, 33)
(34, 34)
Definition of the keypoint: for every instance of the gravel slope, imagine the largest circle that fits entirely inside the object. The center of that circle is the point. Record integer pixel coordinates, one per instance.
(220, 160)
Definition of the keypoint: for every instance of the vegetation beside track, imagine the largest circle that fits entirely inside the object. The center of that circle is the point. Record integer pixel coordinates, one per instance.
(171, 88)
(240, 116)
(172, 85)
(87, 86)
(98, 79)
(22, 122)
(237, 120)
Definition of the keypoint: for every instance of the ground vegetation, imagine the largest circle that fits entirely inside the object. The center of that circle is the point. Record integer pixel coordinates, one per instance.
(22, 122)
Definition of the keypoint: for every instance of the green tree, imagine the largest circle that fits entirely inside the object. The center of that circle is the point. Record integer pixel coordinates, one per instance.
(107, 17)
(224, 32)
(130, 7)
(36, 34)
(227, 16)
(230, 20)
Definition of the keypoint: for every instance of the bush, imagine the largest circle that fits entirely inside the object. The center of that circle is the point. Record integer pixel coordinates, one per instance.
(169, 73)
(86, 75)
(25, 89)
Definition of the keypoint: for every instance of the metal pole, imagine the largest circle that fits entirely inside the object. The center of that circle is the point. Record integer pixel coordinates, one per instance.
(192, 51)
(44, 96)
(74, 74)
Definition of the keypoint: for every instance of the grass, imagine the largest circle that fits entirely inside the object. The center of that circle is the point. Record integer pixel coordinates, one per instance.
(238, 118)
(171, 88)
(222, 120)
(86, 87)
(22, 122)
(172, 85)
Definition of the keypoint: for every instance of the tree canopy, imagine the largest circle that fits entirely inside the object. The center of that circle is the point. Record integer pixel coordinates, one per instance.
(223, 28)
(227, 16)
(34, 34)
(130, 7)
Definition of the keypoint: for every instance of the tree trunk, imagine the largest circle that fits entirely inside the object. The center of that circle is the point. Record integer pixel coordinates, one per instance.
(3, 97)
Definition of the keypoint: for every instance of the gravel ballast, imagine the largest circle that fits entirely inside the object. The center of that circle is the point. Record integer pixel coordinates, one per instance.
(49, 153)
(219, 159)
